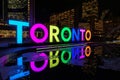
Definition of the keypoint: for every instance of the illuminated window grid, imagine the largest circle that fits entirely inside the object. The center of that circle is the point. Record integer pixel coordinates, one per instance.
(15, 4)
(16, 15)
(64, 18)
(19, 4)
(91, 6)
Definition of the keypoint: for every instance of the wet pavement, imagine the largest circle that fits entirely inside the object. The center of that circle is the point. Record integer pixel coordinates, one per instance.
(83, 61)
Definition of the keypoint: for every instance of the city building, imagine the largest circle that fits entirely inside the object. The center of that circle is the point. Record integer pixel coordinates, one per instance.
(85, 15)
(90, 12)
(22, 10)
(91, 15)
(87, 12)
(112, 28)
(89, 9)
(84, 25)
(65, 18)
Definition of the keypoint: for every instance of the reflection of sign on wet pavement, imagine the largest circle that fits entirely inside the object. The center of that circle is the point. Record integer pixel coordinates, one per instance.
(51, 59)
(9, 71)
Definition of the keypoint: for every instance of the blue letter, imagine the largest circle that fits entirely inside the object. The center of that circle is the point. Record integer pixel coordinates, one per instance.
(75, 34)
(21, 73)
(20, 61)
(19, 25)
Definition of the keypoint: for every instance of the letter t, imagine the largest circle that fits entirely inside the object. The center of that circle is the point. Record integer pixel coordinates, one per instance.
(19, 31)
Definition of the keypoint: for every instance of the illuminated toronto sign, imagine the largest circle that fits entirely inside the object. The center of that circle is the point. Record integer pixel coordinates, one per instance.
(50, 34)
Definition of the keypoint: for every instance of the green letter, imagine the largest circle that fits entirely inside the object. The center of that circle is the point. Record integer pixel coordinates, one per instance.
(62, 57)
(63, 36)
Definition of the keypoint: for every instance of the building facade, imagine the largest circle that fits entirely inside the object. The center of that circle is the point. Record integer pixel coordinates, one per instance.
(65, 18)
(89, 9)
(22, 10)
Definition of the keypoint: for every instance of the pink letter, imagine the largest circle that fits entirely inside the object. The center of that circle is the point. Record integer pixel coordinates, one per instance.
(82, 34)
(34, 68)
(32, 33)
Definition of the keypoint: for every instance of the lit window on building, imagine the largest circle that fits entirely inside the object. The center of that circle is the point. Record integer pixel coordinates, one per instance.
(18, 9)
(65, 18)
(15, 4)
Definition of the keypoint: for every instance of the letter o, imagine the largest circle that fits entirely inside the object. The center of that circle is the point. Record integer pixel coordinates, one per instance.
(88, 32)
(32, 33)
(36, 69)
(87, 51)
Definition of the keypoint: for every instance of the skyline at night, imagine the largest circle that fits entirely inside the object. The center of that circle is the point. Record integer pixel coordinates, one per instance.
(96, 15)
(46, 8)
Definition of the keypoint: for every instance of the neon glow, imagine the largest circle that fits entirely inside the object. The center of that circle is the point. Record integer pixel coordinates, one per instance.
(76, 53)
(19, 31)
(75, 34)
(62, 34)
(82, 53)
(54, 58)
(36, 69)
(88, 35)
(53, 33)
(62, 56)
(88, 51)
(65, 56)
(76, 50)
(19, 75)
(32, 33)
(82, 34)
(20, 61)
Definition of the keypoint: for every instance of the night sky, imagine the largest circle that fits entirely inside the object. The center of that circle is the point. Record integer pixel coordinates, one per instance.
(46, 7)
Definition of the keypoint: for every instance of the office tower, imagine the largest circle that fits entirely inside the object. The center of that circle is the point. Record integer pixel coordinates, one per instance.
(65, 18)
(22, 10)
(90, 9)
(18, 10)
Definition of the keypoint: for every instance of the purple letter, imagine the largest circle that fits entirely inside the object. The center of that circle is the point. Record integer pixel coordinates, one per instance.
(36, 69)
(82, 34)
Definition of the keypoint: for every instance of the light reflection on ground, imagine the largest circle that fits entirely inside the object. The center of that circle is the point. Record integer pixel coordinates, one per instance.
(61, 60)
